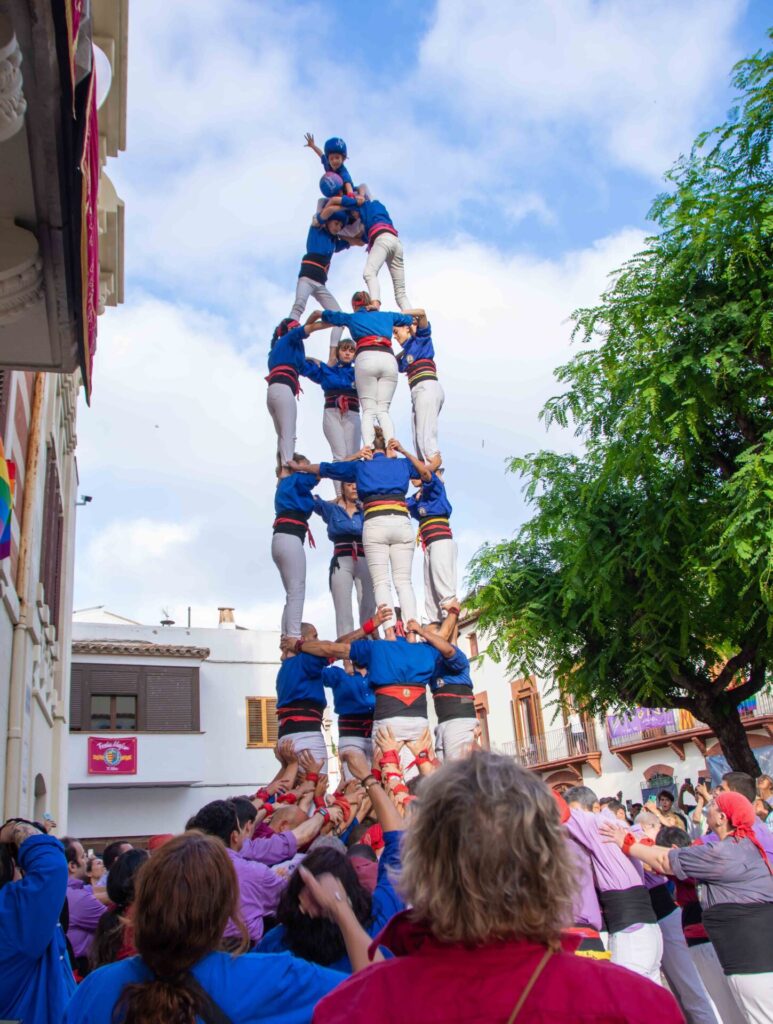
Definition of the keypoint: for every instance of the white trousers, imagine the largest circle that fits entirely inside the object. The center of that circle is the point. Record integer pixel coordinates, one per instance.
(375, 377)
(389, 542)
(682, 977)
(410, 727)
(351, 575)
(314, 742)
(754, 994)
(386, 249)
(713, 977)
(361, 743)
(439, 576)
(283, 406)
(343, 433)
(640, 951)
(289, 557)
(304, 289)
(454, 738)
(427, 399)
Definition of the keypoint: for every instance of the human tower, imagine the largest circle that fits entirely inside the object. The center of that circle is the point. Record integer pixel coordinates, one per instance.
(381, 488)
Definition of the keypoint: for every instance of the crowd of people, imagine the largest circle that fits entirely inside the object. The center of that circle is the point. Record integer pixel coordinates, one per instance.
(488, 897)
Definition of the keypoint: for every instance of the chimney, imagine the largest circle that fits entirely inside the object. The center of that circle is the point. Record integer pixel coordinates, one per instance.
(226, 620)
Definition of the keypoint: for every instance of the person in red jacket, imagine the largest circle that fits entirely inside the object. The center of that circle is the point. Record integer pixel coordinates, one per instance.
(491, 883)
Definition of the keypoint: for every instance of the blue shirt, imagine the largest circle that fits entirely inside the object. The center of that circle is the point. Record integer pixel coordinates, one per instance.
(454, 670)
(372, 212)
(331, 378)
(342, 172)
(366, 323)
(322, 243)
(395, 661)
(300, 678)
(293, 494)
(430, 500)
(288, 350)
(340, 525)
(351, 694)
(385, 904)
(249, 989)
(418, 347)
(374, 477)
(36, 981)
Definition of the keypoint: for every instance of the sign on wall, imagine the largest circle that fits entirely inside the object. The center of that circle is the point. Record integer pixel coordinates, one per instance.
(112, 756)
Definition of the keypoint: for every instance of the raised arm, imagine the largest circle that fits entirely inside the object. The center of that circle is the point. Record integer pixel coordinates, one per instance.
(421, 469)
(419, 315)
(389, 818)
(446, 649)
(383, 614)
(312, 145)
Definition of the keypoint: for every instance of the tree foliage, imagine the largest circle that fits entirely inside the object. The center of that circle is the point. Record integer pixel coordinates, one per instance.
(645, 575)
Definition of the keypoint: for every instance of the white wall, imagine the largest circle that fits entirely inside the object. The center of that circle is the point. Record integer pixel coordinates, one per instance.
(212, 764)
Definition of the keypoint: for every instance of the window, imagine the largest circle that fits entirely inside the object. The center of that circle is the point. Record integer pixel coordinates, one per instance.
(141, 698)
(473, 638)
(262, 723)
(527, 719)
(113, 712)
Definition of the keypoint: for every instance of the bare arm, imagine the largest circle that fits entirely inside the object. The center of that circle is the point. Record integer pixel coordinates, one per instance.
(419, 314)
(446, 649)
(389, 818)
(326, 896)
(383, 614)
(449, 623)
(319, 648)
(653, 857)
(312, 145)
(421, 469)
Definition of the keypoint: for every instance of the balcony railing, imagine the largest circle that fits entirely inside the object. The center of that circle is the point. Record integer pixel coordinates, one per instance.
(554, 746)
(758, 708)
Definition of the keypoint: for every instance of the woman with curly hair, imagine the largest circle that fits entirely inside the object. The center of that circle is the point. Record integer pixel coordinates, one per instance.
(490, 881)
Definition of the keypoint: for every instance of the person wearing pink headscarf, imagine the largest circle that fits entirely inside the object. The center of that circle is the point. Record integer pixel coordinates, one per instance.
(736, 879)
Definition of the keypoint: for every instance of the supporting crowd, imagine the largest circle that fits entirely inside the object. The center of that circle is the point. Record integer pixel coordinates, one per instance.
(438, 882)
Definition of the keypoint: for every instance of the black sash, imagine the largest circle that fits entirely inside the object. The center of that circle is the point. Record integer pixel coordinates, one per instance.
(742, 935)
(624, 907)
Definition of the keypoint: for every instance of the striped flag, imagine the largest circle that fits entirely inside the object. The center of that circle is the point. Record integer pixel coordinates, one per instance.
(7, 482)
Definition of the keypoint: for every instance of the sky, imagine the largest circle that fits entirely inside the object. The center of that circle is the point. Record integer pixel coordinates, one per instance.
(518, 147)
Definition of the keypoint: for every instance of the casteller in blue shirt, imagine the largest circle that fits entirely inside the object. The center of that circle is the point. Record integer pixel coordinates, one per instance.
(352, 694)
(430, 499)
(367, 323)
(249, 989)
(300, 679)
(376, 477)
(36, 980)
(395, 661)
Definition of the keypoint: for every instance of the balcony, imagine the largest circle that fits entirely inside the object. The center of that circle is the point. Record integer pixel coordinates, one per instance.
(683, 728)
(556, 749)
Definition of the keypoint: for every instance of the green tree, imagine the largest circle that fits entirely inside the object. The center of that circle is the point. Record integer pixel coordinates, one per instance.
(645, 575)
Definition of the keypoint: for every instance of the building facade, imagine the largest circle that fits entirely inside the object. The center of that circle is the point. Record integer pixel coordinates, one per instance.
(62, 114)
(164, 719)
(654, 749)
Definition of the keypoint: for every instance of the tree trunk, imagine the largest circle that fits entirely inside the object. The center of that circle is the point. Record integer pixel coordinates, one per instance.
(725, 722)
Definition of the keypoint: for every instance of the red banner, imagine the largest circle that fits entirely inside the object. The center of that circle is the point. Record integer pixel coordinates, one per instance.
(90, 230)
(112, 756)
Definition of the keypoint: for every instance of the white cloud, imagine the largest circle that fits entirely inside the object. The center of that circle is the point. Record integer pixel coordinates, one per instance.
(530, 204)
(635, 76)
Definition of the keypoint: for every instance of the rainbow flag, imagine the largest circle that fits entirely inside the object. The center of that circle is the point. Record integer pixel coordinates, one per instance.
(7, 482)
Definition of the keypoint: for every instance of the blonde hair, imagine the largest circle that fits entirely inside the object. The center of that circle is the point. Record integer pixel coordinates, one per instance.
(484, 856)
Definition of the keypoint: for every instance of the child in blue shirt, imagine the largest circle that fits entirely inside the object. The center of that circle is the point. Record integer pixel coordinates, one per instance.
(333, 159)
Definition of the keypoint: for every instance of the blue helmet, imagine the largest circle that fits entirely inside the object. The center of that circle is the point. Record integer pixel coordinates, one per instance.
(335, 146)
(331, 184)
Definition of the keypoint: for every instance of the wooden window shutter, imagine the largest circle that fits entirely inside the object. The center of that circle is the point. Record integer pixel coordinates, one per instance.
(171, 700)
(78, 678)
(262, 722)
(5, 398)
(51, 549)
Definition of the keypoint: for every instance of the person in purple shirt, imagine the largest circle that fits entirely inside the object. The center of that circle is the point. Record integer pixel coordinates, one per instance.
(635, 940)
(260, 888)
(275, 847)
(84, 908)
(740, 782)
